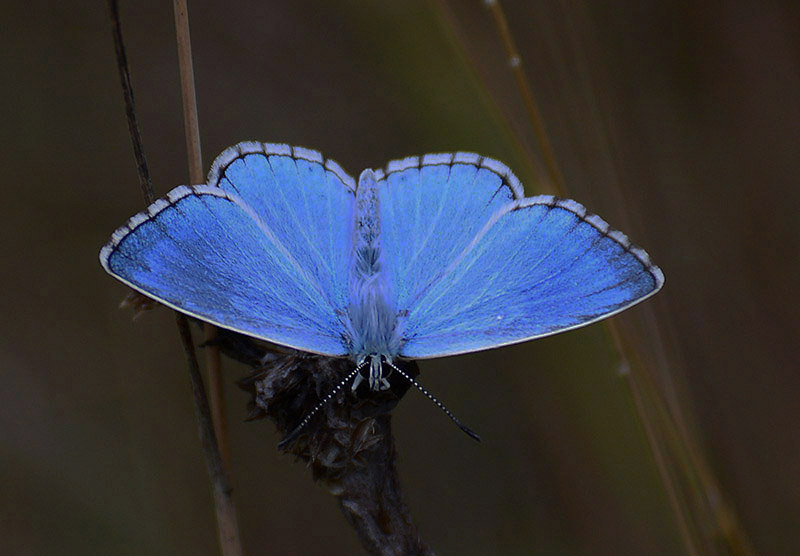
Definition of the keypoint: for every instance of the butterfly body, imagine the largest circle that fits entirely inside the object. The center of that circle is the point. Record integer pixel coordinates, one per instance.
(431, 256)
(373, 322)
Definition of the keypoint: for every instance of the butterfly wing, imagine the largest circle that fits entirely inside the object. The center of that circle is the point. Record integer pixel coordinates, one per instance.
(261, 249)
(306, 201)
(431, 208)
(505, 274)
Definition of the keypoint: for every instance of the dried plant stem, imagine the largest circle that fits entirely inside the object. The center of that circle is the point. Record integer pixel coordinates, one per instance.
(192, 132)
(130, 106)
(216, 390)
(190, 120)
(226, 515)
(372, 501)
(227, 521)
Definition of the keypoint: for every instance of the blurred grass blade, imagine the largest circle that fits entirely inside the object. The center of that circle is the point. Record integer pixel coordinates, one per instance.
(531, 106)
(702, 515)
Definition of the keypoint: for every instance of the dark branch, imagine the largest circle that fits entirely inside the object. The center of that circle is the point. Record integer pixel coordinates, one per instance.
(348, 444)
(130, 105)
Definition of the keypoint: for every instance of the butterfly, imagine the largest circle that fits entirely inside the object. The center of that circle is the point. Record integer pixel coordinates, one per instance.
(432, 256)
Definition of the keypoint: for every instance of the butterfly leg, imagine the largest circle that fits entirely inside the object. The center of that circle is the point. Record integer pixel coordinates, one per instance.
(377, 380)
(356, 382)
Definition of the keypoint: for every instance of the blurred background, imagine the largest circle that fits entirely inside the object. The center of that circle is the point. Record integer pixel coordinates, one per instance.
(679, 123)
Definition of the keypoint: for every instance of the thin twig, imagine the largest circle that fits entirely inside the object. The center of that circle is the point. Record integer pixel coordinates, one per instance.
(226, 515)
(130, 106)
(216, 390)
(227, 522)
(193, 151)
(190, 120)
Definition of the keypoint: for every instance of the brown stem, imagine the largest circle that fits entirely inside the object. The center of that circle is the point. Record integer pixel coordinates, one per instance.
(348, 445)
(190, 121)
(195, 158)
(216, 390)
(130, 106)
(227, 522)
(226, 514)
(371, 500)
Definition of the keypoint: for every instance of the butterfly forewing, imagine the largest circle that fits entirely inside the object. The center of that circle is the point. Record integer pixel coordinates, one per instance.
(245, 256)
(544, 266)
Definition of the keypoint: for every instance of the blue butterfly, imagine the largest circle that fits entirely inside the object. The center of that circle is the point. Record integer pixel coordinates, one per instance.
(432, 256)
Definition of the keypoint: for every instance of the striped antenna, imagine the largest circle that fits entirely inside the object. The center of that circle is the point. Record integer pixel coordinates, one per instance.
(435, 400)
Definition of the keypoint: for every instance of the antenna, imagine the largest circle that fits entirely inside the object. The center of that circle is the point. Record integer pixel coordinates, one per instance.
(436, 401)
(292, 436)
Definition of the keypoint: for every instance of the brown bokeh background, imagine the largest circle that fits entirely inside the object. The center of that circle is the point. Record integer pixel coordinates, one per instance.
(678, 123)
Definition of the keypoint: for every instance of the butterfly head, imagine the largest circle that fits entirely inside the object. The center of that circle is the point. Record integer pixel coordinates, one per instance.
(371, 366)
